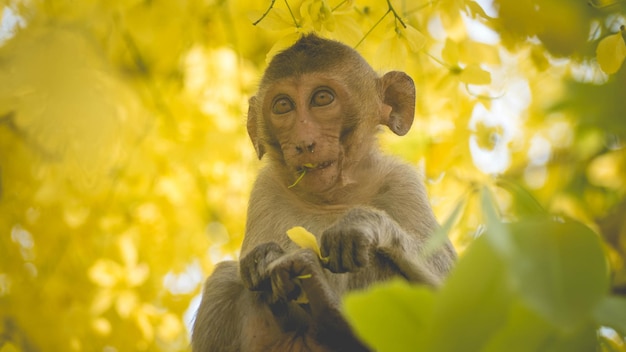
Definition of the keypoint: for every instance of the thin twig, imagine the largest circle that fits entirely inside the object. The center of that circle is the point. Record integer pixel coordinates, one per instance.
(295, 22)
(264, 14)
(372, 29)
(390, 9)
(482, 96)
(338, 6)
(449, 67)
(395, 14)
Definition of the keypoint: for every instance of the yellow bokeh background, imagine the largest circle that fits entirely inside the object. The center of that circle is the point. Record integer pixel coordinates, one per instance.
(125, 165)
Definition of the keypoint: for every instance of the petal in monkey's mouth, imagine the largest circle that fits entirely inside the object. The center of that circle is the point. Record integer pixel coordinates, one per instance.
(313, 166)
(307, 168)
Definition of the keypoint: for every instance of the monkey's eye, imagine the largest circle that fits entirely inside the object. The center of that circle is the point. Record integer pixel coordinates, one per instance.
(282, 106)
(322, 98)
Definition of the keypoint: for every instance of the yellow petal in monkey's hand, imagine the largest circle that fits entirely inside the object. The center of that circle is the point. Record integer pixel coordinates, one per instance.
(303, 238)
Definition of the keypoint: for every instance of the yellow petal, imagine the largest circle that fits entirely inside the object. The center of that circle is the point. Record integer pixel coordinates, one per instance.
(290, 36)
(126, 303)
(101, 326)
(347, 28)
(276, 20)
(101, 302)
(473, 74)
(137, 275)
(303, 238)
(611, 52)
(450, 52)
(302, 299)
(414, 38)
(127, 249)
(145, 326)
(170, 327)
(105, 273)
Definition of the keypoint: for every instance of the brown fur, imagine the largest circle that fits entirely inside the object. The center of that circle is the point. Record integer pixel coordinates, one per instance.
(369, 211)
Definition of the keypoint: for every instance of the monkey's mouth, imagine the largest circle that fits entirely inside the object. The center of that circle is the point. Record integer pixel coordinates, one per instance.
(307, 167)
(317, 176)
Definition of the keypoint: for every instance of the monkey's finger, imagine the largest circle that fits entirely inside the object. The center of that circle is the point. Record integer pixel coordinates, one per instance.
(354, 248)
(334, 252)
(254, 276)
(347, 250)
(284, 285)
(261, 284)
(254, 266)
(360, 250)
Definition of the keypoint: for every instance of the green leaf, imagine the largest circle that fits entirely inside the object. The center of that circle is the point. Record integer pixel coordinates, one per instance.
(596, 106)
(607, 345)
(582, 339)
(498, 233)
(392, 316)
(559, 269)
(611, 312)
(525, 203)
(525, 331)
(473, 303)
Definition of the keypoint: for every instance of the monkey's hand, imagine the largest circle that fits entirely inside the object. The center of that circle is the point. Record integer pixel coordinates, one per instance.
(349, 242)
(254, 267)
(290, 270)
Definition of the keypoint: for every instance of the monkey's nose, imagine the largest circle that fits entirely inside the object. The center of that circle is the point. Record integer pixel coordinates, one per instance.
(302, 147)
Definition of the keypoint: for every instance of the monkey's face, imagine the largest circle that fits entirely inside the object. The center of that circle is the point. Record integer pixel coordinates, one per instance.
(306, 117)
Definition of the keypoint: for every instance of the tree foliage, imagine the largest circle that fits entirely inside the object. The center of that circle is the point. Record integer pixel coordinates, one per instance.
(125, 166)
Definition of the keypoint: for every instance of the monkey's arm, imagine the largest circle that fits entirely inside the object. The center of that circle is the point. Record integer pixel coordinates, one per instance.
(365, 232)
(232, 318)
(217, 325)
(406, 202)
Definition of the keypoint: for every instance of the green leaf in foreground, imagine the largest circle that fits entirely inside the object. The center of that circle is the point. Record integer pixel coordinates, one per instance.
(497, 232)
(559, 269)
(473, 302)
(541, 288)
(392, 316)
(612, 312)
(525, 331)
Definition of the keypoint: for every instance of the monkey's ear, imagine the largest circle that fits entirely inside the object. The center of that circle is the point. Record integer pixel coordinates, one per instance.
(399, 95)
(253, 128)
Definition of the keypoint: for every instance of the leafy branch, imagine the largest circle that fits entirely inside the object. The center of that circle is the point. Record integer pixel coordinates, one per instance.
(293, 17)
(390, 9)
(265, 13)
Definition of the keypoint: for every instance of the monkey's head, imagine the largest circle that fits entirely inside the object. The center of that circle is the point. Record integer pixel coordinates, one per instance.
(318, 108)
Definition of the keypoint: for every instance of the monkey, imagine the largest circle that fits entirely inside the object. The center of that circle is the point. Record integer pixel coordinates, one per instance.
(315, 118)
